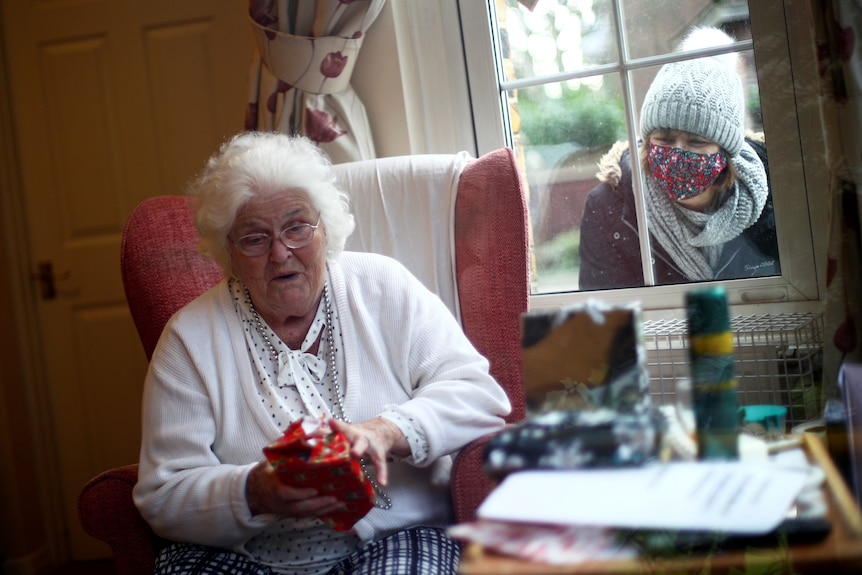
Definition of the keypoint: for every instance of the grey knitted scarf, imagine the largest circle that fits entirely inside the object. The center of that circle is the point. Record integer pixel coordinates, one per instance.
(694, 240)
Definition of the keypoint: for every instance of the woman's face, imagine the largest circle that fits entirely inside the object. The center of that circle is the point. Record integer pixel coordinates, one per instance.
(284, 283)
(690, 142)
(687, 141)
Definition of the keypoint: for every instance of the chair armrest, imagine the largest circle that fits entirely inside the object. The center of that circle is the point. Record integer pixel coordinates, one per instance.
(108, 513)
(469, 485)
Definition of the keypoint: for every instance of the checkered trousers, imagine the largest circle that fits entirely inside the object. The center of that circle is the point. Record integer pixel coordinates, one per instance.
(414, 551)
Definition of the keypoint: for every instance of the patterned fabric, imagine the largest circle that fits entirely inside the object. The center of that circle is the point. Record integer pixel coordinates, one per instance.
(190, 559)
(417, 551)
(414, 551)
(572, 439)
(296, 383)
(300, 83)
(683, 174)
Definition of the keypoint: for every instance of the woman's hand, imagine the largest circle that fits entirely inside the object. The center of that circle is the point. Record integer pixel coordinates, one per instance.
(265, 493)
(376, 439)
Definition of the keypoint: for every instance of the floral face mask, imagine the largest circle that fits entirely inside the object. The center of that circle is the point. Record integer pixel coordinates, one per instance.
(684, 175)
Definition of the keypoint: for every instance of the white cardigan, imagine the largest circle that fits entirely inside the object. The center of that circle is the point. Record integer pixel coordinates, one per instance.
(204, 425)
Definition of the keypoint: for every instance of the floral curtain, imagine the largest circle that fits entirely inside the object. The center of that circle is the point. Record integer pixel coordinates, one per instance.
(838, 32)
(300, 78)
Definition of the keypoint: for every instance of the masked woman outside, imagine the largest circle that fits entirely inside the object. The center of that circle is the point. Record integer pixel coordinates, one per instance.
(707, 197)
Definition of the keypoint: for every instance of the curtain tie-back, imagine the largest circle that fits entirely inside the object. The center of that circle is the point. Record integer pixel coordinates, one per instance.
(314, 65)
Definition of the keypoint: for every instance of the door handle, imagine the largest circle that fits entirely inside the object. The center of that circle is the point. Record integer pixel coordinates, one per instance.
(45, 276)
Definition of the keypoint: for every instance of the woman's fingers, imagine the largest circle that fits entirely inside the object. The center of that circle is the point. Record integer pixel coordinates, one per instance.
(372, 439)
(266, 493)
(310, 507)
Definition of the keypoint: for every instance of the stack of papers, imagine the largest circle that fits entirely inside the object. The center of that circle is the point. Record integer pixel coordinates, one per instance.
(723, 496)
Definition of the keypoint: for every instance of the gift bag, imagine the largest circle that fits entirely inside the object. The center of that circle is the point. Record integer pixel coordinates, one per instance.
(309, 454)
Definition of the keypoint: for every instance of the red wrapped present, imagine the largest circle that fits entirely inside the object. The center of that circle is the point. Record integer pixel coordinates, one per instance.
(309, 454)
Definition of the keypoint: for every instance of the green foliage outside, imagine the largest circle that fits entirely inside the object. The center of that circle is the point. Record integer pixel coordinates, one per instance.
(557, 263)
(586, 117)
(559, 253)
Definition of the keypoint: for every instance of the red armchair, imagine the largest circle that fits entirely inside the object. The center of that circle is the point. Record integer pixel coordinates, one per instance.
(474, 212)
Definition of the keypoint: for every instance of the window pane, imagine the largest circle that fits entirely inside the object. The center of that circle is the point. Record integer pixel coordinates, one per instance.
(775, 35)
(565, 129)
(556, 36)
(655, 27)
(561, 120)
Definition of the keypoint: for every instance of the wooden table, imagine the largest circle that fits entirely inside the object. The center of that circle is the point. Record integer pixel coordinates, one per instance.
(838, 552)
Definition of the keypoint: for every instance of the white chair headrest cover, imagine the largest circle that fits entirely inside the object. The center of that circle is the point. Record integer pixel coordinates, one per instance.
(404, 208)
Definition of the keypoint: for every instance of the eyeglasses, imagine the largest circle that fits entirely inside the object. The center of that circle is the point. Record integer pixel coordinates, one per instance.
(293, 238)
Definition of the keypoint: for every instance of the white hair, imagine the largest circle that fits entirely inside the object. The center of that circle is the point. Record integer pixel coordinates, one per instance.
(251, 164)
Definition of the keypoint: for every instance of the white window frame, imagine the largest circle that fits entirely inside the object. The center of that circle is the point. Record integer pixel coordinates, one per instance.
(787, 74)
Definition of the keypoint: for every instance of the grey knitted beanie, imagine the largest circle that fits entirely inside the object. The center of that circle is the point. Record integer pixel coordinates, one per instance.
(703, 96)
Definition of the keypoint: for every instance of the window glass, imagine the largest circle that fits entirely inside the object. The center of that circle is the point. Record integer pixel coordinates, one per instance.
(565, 129)
(655, 27)
(557, 36)
(574, 85)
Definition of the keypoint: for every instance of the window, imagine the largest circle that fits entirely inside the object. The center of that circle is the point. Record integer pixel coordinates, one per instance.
(570, 78)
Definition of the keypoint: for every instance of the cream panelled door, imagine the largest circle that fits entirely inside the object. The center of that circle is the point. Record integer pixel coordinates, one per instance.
(113, 101)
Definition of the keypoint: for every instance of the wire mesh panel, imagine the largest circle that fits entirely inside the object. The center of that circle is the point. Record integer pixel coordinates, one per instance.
(778, 360)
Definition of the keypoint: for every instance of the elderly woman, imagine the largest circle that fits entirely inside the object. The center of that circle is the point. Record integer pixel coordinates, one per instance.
(300, 328)
(707, 198)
